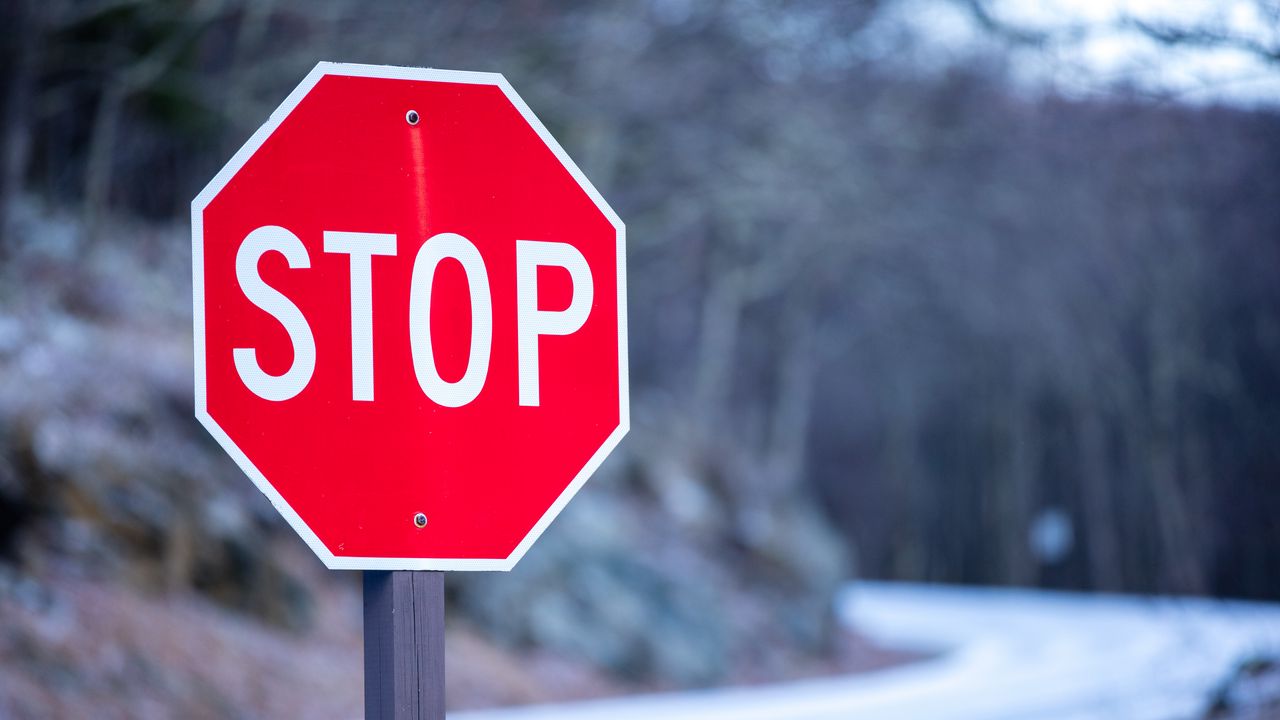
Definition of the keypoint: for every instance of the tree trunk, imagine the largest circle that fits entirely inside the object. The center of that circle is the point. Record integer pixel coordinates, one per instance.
(721, 315)
(1099, 507)
(789, 424)
(1024, 464)
(98, 168)
(19, 55)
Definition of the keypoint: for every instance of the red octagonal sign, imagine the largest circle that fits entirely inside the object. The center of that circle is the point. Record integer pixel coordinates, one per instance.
(410, 318)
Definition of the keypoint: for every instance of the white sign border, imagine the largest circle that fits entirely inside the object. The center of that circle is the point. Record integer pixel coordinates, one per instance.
(233, 166)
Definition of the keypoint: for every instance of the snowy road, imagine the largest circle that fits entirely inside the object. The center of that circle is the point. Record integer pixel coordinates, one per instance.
(1002, 654)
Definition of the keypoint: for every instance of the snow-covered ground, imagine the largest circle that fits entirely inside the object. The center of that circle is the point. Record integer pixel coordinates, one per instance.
(1000, 654)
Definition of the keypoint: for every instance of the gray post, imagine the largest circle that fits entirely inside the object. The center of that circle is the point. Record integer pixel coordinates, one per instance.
(403, 645)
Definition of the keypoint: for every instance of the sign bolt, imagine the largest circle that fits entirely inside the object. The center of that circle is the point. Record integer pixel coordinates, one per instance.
(411, 117)
(420, 520)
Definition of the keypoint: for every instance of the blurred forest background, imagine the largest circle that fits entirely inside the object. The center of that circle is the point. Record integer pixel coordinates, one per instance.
(894, 314)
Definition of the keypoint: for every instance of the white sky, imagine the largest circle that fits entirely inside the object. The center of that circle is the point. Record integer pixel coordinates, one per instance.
(1093, 51)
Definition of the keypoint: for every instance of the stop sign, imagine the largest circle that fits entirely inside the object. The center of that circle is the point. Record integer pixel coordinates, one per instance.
(410, 318)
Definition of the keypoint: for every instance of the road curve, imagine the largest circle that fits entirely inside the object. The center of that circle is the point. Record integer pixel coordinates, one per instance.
(1000, 653)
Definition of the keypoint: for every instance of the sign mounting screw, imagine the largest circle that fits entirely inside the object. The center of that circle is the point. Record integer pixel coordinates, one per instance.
(420, 520)
(411, 117)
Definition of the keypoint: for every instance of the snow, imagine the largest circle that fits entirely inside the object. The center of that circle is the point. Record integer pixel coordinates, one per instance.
(1000, 653)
